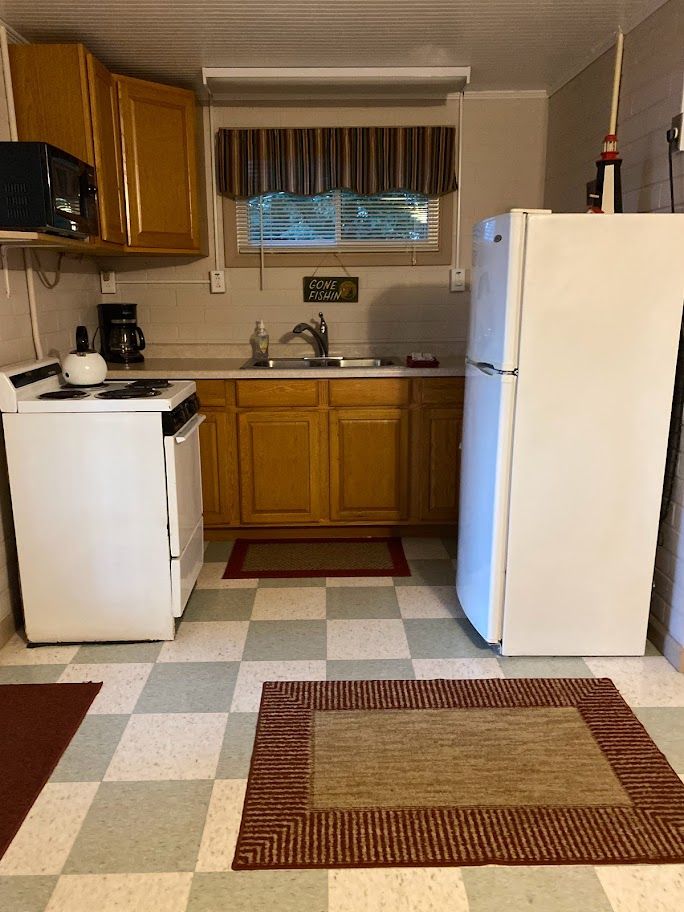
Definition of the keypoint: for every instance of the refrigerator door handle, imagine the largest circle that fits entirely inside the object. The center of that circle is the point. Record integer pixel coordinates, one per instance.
(489, 369)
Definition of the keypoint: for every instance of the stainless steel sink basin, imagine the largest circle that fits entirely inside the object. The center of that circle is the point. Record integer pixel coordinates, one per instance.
(303, 363)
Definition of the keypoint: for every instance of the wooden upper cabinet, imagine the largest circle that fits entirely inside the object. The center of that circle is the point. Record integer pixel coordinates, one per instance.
(158, 125)
(50, 86)
(104, 108)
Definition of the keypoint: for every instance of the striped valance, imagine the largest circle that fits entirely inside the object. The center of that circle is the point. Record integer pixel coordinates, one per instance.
(366, 160)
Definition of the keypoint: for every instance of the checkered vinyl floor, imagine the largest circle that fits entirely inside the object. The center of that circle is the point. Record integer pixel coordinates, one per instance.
(142, 811)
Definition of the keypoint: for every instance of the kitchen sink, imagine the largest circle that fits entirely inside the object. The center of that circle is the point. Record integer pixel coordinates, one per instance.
(303, 363)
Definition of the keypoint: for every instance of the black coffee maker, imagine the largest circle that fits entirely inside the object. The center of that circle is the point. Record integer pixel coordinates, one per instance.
(121, 339)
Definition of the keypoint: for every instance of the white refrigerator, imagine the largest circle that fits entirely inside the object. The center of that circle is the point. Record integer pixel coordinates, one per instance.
(571, 361)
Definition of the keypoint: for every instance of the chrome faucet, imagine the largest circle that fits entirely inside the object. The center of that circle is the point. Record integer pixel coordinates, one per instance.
(319, 336)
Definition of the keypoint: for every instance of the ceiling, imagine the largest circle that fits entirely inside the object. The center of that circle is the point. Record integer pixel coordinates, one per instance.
(510, 44)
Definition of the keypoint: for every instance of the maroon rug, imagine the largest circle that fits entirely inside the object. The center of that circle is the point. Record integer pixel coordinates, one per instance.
(308, 557)
(37, 722)
(528, 771)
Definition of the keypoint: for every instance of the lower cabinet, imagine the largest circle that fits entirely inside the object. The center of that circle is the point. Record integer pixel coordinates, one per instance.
(330, 452)
(280, 466)
(369, 457)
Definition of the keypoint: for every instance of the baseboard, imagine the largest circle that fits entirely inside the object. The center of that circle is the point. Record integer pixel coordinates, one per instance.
(437, 530)
(666, 643)
(7, 629)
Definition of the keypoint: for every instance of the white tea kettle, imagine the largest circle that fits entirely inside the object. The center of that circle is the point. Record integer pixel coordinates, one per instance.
(83, 366)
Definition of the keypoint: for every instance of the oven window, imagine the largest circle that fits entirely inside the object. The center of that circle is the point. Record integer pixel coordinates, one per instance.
(66, 187)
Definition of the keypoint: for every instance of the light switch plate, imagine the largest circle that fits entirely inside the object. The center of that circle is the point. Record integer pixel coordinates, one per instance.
(217, 281)
(457, 279)
(108, 282)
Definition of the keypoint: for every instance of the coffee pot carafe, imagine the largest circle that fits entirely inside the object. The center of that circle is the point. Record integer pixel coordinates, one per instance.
(121, 339)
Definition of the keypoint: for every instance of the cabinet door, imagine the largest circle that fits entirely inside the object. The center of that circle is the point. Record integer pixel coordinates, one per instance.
(50, 87)
(369, 464)
(104, 109)
(280, 466)
(160, 163)
(440, 462)
(213, 456)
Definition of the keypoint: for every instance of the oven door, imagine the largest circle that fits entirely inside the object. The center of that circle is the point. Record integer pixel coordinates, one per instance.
(183, 484)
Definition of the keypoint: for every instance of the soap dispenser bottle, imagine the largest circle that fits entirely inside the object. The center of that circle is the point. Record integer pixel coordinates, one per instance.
(260, 340)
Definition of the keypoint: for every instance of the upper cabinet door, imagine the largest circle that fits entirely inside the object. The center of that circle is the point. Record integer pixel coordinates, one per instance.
(160, 164)
(104, 108)
(50, 87)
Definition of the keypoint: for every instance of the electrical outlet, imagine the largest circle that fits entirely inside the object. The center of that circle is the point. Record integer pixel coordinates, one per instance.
(678, 125)
(457, 279)
(108, 282)
(217, 280)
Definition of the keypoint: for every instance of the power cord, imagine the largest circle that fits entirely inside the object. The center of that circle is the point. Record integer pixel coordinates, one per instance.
(675, 434)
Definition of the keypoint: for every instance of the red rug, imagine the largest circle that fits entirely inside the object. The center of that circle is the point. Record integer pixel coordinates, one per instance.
(526, 771)
(37, 722)
(309, 557)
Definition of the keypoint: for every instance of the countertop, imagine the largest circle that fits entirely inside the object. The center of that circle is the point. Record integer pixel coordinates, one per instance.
(230, 369)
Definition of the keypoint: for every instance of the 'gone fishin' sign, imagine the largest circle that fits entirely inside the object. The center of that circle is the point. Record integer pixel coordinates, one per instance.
(331, 288)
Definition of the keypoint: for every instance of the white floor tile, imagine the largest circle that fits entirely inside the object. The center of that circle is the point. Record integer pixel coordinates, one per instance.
(396, 890)
(424, 549)
(121, 892)
(47, 835)
(367, 639)
(206, 641)
(642, 680)
(643, 888)
(211, 577)
(429, 669)
(428, 602)
(122, 683)
(251, 676)
(289, 604)
(336, 581)
(16, 652)
(173, 746)
(223, 822)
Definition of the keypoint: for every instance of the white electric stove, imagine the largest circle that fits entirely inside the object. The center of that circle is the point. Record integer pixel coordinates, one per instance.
(107, 503)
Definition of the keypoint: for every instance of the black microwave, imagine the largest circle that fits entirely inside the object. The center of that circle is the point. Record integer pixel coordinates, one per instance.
(45, 189)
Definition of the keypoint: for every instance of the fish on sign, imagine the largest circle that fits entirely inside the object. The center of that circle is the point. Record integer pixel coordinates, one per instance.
(331, 288)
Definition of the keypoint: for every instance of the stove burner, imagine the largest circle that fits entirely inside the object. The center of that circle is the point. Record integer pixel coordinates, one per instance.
(64, 394)
(149, 384)
(128, 393)
(88, 386)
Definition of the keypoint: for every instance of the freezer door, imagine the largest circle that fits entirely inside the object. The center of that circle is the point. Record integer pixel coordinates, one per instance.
(483, 510)
(498, 245)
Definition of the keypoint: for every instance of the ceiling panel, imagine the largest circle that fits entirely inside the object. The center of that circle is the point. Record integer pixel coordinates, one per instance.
(510, 44)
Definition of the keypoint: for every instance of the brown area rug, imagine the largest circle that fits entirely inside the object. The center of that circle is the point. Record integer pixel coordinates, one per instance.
(37, 722)
(451, 772)
(288, 558)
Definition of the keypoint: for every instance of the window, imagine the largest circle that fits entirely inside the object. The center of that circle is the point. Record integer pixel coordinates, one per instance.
(338, 221)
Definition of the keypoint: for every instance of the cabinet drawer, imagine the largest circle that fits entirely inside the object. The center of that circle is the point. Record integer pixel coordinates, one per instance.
(273, 393)
(443, 391)
(393, 391)
(212, 393)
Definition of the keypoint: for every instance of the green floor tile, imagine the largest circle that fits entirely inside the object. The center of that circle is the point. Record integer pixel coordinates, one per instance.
(236, 751)
(141, 827)
(269, 641)
(370, 670)
(220, 605)
(218, 551)
(91, 749)
(30, 674)
(543, 667)
(25, 894)
(666, 726)
(537, 889)
(260, 891)
(294, 581)
(428, 573)
(443, 638)
(94, 653)
(189, 687)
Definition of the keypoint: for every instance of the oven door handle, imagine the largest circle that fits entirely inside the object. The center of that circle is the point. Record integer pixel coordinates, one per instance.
(189, 428)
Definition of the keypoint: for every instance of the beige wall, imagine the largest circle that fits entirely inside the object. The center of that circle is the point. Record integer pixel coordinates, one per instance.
(60, 310)
(400, 308)
(651, 93)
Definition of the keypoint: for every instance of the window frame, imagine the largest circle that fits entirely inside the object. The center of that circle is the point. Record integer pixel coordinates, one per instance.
(439, 257)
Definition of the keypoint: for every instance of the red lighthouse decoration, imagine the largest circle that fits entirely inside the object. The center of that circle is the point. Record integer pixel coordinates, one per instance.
(608, 183)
